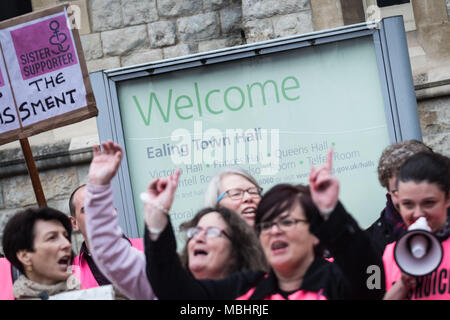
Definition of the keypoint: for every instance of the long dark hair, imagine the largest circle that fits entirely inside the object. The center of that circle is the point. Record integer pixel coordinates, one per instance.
(247, 253)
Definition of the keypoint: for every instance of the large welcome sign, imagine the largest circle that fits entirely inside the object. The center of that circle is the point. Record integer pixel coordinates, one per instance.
(44, 82)
(274, 109)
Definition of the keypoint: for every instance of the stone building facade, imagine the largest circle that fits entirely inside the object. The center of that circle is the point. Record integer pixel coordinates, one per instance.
(117, 33)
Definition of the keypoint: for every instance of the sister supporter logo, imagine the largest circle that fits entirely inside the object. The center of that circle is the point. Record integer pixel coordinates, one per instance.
(44, 47)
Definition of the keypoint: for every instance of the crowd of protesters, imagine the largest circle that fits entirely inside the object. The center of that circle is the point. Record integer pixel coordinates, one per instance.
(244, 244)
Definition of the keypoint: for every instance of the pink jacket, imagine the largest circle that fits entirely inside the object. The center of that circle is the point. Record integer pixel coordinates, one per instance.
(6, 284)
(297, 295)
(121, 263)
(81, 270)
(435, 286)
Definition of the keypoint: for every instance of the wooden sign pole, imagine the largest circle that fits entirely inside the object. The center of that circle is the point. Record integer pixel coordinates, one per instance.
(32, 171)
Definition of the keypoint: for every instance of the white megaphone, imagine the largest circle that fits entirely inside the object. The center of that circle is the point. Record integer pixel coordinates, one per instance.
(418, 252)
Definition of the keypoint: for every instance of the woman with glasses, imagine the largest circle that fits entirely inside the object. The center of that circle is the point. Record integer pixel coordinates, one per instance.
(235, 189)
(292, 223)
(219, 243)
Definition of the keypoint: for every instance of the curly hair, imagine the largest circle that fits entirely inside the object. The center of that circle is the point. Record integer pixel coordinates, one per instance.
(247, 253)
(394, 156)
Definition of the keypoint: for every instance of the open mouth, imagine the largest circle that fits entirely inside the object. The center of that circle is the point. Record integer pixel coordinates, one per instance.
(200, 252)
(64, 262)
(278, 245)
(249, 211)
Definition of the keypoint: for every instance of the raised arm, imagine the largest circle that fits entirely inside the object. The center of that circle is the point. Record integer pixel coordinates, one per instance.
(324, 187)
(164, 270)
(105, 163)
(339, 232)
(158, 201)
(122, 264)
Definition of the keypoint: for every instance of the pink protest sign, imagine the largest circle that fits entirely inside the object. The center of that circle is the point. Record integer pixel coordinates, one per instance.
(44, 73)
(44, 47)
(9, 123)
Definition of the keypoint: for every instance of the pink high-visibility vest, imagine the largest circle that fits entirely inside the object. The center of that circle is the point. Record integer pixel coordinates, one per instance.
(435, 286)
(81, 270)
(298, 295)
(6, 283)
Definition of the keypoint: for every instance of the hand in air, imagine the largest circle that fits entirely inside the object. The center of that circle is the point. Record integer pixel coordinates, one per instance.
(105, 163)
(324, 186)
(161, 192)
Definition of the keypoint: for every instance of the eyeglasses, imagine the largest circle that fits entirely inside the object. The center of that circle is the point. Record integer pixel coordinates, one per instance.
(238, 194)
(283, 224)
(210, 232)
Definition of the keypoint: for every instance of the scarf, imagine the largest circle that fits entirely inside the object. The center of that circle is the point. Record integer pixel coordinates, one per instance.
(24, 288)
(443, 234)
(394, 218)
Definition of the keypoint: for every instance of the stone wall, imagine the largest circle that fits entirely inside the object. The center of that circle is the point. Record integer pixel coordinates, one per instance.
(128, 32)
(117, 33)
(434, 113)
(431, 70)
(61, 170)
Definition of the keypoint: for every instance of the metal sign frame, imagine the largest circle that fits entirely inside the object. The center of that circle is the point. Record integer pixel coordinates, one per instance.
(394, 68)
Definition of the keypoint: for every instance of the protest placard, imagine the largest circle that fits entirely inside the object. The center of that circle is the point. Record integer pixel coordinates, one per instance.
(44, 83)
(9, 123)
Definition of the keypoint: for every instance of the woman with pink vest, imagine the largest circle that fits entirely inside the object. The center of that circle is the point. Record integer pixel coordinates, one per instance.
(292, 223)
(423, 190)
(220, 241)
(121, 263)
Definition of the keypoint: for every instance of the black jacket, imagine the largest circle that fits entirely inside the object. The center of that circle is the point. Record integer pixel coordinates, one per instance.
(381, 234)
(388, 228)
(346, 278)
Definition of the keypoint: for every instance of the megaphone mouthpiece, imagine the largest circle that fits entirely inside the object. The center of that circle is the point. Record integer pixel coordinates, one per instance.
(418, 252)
(420, 224)
(418, 245)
